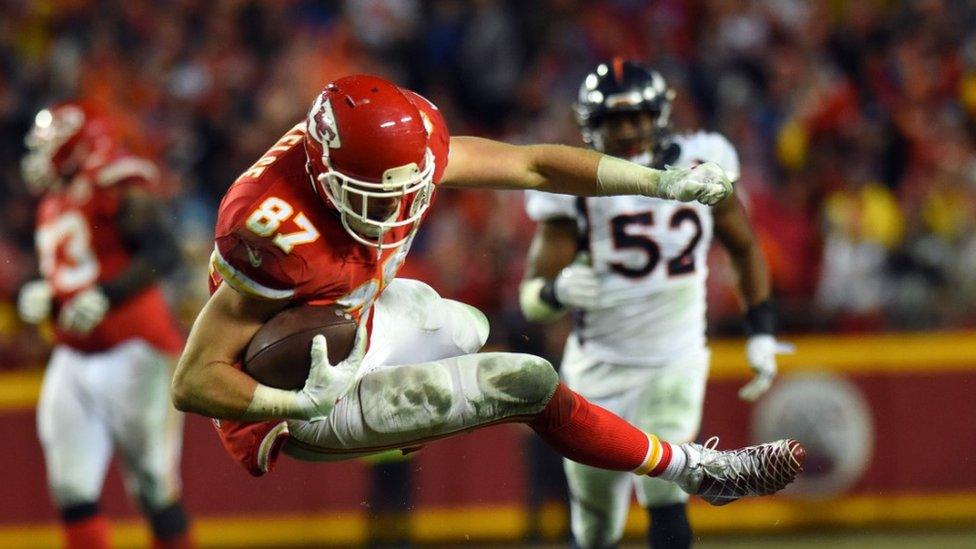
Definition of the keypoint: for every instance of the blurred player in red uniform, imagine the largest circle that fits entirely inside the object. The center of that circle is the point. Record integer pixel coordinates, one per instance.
(103, 242)
(327, 216)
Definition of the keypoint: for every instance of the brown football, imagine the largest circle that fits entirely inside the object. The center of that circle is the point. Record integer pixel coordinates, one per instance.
(278, 354)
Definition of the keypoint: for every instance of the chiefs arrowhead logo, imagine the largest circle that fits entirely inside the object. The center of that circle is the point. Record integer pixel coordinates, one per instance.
(323, 127)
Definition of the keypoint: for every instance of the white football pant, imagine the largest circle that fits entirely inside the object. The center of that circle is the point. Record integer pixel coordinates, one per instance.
(668, 403)
(422, 379)
(93, 403)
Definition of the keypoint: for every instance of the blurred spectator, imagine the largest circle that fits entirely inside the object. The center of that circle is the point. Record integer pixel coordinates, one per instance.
(855, 122)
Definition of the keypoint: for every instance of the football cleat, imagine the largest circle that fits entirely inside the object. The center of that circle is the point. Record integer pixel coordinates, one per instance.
(723, 476)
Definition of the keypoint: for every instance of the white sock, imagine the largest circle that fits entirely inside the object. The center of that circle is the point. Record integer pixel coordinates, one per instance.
(677, 464)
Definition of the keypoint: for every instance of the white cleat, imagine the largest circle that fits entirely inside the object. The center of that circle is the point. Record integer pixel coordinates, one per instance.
(723, 476)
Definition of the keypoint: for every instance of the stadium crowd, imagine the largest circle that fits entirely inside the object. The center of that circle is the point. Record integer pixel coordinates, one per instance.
(854, 120)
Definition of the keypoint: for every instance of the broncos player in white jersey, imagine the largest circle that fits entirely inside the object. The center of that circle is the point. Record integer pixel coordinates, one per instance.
(633, 270)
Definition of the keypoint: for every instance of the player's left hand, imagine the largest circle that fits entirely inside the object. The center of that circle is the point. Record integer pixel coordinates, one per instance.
(761, 351)
(34, 301)
(578, 286)
(84, 311)
(707, 183)
(327, 384)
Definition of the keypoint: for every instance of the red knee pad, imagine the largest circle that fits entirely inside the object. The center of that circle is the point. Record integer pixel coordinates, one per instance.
(253, 444)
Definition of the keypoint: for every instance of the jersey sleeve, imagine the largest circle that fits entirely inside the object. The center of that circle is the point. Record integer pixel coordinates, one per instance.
(127, 170)
(251, 269)
(721, 151)
(117, 176)
(543, 206)
(248, 262)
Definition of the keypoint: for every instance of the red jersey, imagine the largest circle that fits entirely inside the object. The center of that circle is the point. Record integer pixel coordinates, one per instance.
(79, 245)
(277, 239)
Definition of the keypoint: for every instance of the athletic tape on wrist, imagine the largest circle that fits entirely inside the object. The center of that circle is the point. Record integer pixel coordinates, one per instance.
(616, 176)
(271, 402)
(534, 306)
(761, 319)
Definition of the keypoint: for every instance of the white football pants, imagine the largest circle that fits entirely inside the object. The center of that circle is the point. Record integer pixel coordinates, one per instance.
(93, 403)
(668, 403)
(422, 379)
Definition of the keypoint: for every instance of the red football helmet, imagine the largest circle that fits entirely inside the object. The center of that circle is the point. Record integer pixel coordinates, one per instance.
(368, 155)
(62, 139)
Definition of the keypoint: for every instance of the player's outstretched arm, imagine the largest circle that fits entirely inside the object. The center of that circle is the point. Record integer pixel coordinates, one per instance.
(207, 381)
(488, 164)
(734, 232)
(732, 229)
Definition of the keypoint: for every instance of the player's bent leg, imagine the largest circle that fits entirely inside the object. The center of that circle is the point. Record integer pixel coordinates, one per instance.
(589, 434)
(599, 502)
(670, 528)
(149, 438)
(410, 405)
(413, 324)
(670, 405)
(76, 440)
(468, 326)
(84, 527)
(77, 448)
(170, 527)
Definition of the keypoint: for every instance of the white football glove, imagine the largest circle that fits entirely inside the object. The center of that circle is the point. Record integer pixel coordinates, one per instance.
(326, 384)
(34, 301)
(84, 311)
(761, 351)
(706, 183)
(577, 286)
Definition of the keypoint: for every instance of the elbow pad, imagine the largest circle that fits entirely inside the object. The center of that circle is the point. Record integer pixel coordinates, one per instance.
(533, 306)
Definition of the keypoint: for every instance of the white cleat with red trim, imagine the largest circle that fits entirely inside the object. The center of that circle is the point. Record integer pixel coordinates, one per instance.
(723, 476)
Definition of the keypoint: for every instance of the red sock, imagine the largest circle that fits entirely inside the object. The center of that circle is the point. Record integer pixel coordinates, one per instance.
(591, 435)
(182, 541)
(89, 533)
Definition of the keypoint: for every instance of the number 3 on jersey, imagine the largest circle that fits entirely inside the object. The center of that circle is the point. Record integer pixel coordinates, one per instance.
(76, 266)
(267, 220)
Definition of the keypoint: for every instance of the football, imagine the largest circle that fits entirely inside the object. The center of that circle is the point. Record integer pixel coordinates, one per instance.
(278, 354)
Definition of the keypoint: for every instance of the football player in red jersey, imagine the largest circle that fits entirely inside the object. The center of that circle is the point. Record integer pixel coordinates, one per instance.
(327, 216)
(103, 242)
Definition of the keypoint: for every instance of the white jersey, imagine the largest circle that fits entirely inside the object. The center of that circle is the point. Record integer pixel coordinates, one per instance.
(651, 256)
